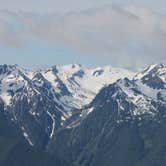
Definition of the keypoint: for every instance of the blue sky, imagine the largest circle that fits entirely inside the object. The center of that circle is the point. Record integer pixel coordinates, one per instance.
(129, 34)
(41, 54)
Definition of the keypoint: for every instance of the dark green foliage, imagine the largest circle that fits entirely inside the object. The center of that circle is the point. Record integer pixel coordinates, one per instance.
(23, 155)
(95, 142)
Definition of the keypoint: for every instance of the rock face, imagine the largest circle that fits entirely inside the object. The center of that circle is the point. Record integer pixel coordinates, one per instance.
(88, 117)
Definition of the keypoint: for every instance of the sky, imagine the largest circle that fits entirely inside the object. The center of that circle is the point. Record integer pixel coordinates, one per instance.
(121, 33)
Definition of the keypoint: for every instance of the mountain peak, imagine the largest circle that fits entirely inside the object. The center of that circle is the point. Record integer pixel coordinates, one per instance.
(7, 69)
(152, 69)
(155, 67)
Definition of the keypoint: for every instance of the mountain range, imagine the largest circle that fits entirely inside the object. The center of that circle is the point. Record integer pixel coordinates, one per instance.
(73, 115)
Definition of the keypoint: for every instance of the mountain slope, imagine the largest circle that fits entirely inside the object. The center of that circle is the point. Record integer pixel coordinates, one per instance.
(122, 126)
(39, 102)
(77, 116)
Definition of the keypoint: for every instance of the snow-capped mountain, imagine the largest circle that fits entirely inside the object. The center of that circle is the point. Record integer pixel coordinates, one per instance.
(143, 95)
(67, 110)
(39, 102)
(74, 84)
(42, 102)
(123, 125)
(80, 84)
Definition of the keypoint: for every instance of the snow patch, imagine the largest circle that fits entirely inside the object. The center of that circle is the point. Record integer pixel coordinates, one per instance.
(53, 124)
(26, 136)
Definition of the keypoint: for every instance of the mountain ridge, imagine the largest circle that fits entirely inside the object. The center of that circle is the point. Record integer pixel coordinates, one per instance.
(74, 106)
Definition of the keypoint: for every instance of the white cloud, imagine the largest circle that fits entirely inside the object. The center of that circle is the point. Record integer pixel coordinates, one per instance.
(125, 35)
